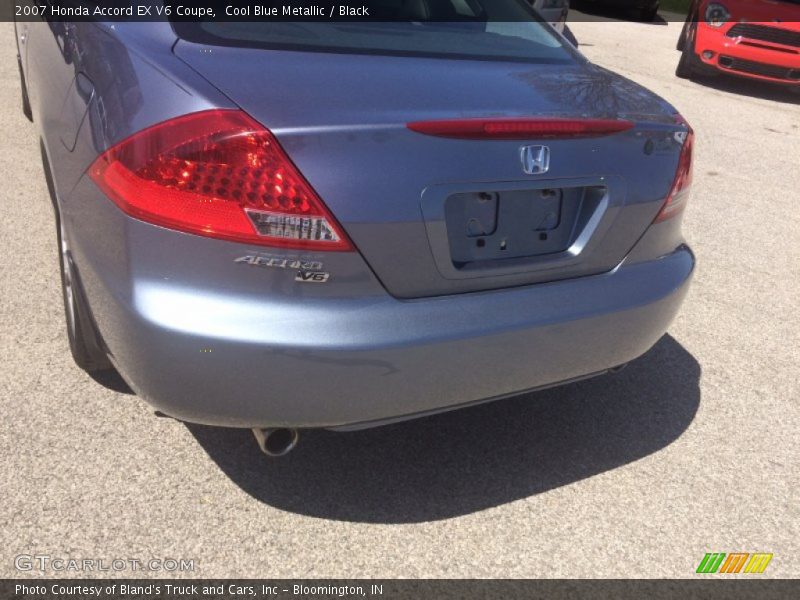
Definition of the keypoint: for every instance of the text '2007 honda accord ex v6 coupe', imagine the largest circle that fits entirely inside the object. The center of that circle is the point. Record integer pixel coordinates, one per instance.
(298, 225)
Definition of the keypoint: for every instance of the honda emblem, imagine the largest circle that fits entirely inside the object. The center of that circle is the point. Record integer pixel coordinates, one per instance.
(535, 159)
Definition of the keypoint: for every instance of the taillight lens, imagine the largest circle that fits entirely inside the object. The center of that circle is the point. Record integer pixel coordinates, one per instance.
(219, 174)
(681, 185)
(520, 129)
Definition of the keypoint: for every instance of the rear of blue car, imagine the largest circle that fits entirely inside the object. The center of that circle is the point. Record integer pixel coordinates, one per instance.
(319, 225)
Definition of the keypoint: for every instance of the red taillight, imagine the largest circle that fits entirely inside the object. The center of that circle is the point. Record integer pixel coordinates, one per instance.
(520, 129)
(219, 174)
(679, 192)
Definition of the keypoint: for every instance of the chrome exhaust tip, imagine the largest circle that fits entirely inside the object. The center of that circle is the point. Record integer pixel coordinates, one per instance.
(278, 441)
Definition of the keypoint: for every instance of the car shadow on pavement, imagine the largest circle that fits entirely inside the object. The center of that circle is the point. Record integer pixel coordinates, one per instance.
(112, 380)
(468, 460)
(748, 87)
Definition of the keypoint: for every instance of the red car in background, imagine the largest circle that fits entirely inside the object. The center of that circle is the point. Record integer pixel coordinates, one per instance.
(751, 38)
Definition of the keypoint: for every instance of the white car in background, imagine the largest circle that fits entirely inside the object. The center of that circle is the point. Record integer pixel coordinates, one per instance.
(554, 11)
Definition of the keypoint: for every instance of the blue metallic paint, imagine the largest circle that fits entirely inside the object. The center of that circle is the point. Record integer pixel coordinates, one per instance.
(211, 341)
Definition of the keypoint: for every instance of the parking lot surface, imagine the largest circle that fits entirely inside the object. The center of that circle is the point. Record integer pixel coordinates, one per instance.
(692, 449)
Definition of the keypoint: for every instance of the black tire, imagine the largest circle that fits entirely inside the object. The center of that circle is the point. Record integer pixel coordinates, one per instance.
(26, 103)
(682, 37)
(689, 65)
(84, 340)
(685, 69)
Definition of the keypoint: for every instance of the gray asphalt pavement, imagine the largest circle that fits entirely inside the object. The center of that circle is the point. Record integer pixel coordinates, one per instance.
(691, 449)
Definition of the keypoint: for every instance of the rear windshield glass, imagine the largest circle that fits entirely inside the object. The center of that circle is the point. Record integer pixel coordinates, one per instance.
(474, 29)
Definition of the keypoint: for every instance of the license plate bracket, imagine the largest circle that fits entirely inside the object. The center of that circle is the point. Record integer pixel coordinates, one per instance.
(495, 225)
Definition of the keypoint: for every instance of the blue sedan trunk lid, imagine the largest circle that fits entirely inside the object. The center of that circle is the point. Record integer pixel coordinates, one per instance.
(407, 199)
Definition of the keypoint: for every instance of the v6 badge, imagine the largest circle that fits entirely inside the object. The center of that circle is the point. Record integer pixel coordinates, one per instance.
(312, 276)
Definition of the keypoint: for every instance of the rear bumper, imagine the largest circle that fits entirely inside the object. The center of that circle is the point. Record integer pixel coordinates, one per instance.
(731, 55)
(215, 358)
